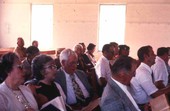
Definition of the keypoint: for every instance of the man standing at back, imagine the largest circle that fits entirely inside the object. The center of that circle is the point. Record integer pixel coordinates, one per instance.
(20, 50)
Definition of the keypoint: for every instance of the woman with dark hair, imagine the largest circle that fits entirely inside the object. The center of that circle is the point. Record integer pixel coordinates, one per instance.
(13, 95)
(44, 70)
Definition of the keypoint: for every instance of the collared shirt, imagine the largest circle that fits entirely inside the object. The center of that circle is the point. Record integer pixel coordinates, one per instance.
(160, 71)
(126, 90)
(71, 98)
(142, 84)
(102, 68)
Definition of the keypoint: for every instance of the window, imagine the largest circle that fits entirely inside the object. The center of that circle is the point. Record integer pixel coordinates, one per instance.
(111, 24)
(42, 25)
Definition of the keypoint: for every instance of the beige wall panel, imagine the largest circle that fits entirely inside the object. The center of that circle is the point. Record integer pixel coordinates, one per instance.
(87, 1)
(69, 34)
(14, 22)
(111, 1)
(14, 1)
(41, 1)
(148, 1)
(27, 1)
(75, 13)
(73, 23)
(65, 1)
(156, 35)
(148, 13)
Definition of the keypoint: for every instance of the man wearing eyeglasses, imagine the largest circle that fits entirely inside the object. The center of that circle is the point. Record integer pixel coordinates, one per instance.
(74, 82)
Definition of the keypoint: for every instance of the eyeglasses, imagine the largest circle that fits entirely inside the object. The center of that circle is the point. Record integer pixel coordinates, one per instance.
(51, 67)
(20, 67)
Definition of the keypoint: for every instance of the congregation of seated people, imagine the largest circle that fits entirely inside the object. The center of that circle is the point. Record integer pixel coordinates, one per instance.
(74, 79)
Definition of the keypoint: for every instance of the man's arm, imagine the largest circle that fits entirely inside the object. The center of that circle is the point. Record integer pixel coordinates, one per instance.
(159, 84)
(102, 81)
(161, 91)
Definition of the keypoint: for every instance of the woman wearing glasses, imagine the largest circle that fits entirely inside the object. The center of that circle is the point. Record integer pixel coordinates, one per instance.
(13, 95)
(44, 70)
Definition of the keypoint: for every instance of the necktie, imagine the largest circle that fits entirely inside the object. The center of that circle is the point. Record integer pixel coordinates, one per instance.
(78, 92)
(152, 77)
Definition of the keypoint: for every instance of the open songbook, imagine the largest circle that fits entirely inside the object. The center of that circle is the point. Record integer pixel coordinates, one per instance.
(57, 104)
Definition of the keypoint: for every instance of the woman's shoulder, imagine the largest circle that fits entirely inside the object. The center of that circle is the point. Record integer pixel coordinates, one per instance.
(24, 88)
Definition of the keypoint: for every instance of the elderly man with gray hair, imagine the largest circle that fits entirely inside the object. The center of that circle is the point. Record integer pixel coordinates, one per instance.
(74, 82)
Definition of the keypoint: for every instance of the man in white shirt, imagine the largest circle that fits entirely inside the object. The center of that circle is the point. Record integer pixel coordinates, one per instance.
(160, 70)
(142, 84)
(102, 67)
(116, 95)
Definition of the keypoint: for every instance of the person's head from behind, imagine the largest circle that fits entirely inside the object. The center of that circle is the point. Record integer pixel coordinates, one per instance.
(78, 49)
(108, 51)
(146, 55)
(31, 52)
(35, 43)
(124, 50)
(68, 60)
(91, 47)
(43, 67)
(11, 68)
(124, 69)
(163, 53)
(116, 48)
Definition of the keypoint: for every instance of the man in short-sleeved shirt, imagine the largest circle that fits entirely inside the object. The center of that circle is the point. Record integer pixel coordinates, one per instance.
(142, 84)
(102, 67)
(160, 69)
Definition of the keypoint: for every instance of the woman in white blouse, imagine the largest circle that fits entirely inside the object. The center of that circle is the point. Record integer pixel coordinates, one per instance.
(13, 95)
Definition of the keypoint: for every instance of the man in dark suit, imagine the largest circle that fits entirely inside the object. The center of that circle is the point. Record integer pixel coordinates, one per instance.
(116, 96)
(65, 75)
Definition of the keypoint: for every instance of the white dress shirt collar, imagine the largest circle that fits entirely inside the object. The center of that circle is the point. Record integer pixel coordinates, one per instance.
(126, 90)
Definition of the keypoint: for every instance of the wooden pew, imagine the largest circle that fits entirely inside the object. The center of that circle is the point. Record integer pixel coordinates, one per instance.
(51, 53)
(48, 52)
(5, 50)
